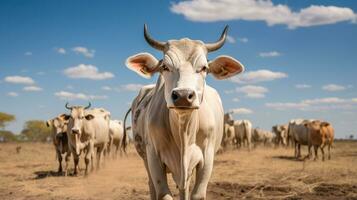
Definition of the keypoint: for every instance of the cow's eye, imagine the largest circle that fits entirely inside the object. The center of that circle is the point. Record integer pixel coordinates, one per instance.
(202, 69)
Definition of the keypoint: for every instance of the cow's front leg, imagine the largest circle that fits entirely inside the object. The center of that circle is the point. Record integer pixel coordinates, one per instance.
(88, 156)
(203, 174)
(158, 176)
(76, 161)
(66, 158)
(59, 157)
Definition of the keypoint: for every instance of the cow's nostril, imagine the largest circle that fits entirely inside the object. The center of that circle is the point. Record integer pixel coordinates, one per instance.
(190, 96)
(174, 95)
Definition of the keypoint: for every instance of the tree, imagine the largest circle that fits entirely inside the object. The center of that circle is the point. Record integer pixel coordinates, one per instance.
(36, 130)
(351, 137)
(7, 136)
(5, 118)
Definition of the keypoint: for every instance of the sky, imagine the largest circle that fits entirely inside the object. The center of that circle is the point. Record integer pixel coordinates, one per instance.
(299, 56)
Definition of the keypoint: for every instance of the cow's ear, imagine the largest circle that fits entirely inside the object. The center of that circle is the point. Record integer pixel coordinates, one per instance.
(89, 117)
(65, 117)
(49, 123)
(325, 124)
(143, 64)
(224, 67)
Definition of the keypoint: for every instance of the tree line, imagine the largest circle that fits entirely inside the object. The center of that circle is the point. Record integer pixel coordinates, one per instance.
(33, 130)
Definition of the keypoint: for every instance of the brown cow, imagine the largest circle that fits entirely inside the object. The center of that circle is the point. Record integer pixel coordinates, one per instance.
(320, 134)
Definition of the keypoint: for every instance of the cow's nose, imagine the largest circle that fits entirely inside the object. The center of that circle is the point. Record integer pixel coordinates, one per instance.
(183, 97)
(75, 131)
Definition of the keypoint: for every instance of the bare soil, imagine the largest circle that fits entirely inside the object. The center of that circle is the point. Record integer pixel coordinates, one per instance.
(263, 173)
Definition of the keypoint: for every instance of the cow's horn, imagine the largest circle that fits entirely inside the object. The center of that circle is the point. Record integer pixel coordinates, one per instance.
(215, 46)
(154, 43)
(68, 107)
(89, 104)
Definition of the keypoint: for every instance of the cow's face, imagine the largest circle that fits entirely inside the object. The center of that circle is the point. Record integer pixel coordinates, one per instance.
(59, 124)
(184, 68)
(77, 117)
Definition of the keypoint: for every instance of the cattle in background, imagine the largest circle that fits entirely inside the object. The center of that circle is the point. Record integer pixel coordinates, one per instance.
(243, 133)
(228, 133)
(261, 136)
(178, 124)
(320, 135)
(116, 136)
(60, 141)
(87, 129)
(299, 134)
(281, 134)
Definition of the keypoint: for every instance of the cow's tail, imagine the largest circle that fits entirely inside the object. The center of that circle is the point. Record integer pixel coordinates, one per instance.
(123, 142)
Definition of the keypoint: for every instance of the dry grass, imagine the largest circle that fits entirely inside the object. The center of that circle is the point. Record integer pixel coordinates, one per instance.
(264, 173)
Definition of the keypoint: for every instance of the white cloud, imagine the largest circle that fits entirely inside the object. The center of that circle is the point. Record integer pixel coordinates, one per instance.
(252, 91)
(61, 50)
(19, 80)
(302, 86)
(333, 87)
(235, 99)
(89, 53)
(243, 40)
(258, 10)
(41, 73)
(269, 54)
(132, 87)
(87, 72)
(229, 91)
(231, 39)
(12, 94)
(28, 53)
(318, 104)
(69, 96)
(258, 76)
(242, 111)
(107, 88)
(32, 89)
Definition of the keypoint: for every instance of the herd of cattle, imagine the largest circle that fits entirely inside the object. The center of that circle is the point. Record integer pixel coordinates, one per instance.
(312, 133)
(177, 124)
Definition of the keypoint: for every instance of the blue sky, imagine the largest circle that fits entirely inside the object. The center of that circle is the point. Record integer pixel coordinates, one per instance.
(300, 56)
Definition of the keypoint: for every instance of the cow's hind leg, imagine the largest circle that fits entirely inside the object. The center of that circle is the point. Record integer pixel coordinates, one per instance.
(158, 176)
(203, 174)
(329, 151)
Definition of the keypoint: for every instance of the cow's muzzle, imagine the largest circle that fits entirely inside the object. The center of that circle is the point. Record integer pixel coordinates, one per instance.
(75, 131)
(184, 99)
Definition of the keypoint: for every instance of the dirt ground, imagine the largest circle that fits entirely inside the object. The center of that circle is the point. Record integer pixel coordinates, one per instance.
(263, 173)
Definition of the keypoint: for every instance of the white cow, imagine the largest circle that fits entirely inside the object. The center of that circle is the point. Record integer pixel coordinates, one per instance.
(178, 124)
(243, 133)
(299, 134)
(87, 129)
(60, 140)
(116, 136)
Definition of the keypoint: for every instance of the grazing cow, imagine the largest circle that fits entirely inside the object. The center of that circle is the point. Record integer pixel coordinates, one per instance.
(320, 135)
(243, 133)
(116, 135)
(281, 134)
(59, 138)
(178, 123)
(262, 136)
(87, 129)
